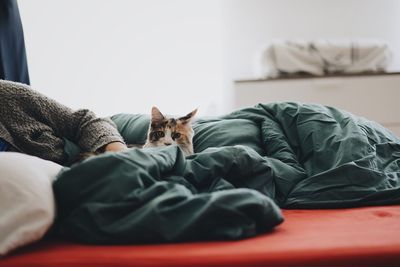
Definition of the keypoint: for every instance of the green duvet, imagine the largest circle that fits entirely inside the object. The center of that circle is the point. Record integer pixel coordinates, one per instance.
(247, 164)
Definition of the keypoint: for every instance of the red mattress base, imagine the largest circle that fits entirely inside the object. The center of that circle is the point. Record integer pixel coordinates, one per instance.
(344, 237)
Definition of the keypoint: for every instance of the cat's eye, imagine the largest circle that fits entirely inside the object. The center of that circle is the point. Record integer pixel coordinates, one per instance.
(159, 134)
(175, 136)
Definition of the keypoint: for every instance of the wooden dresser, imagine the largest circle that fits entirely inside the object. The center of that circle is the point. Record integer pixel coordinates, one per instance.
(374, 96)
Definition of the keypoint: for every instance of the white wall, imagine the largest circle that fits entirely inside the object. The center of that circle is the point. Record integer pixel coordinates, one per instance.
(251, 24)
(127, 55)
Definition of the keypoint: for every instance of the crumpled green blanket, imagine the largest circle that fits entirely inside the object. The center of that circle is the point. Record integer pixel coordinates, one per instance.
(247, 163)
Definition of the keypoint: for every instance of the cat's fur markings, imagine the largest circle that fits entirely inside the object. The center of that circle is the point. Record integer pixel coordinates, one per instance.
(165, 131)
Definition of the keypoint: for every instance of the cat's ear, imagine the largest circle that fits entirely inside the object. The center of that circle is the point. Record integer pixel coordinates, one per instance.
(156, 115)
(188, 117)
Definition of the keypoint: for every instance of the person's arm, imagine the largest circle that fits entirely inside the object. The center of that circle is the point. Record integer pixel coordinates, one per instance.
(82, 126)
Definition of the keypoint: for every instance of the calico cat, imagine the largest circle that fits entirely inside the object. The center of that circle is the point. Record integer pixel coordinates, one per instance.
(164, 131)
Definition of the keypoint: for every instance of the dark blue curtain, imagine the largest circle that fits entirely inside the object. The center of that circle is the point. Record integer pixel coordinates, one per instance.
(13, 64)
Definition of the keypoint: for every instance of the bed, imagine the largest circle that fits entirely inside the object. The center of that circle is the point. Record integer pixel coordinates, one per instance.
(367, 236)
(293, 185)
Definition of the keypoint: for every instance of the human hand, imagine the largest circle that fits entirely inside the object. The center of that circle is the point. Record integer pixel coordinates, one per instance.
(115, 147)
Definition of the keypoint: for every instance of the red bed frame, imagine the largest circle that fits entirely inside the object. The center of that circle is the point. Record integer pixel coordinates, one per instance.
(343, 237)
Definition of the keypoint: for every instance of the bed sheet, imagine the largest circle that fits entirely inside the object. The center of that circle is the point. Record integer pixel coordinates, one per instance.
(368, 236)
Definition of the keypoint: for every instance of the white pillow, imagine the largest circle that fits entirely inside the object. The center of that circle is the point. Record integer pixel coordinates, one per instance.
(27, 207)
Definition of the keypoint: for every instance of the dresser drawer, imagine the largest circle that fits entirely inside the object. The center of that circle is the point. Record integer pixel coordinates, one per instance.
(374, 97)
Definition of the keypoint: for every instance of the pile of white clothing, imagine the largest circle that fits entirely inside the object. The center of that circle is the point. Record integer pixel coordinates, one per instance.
(322, 57)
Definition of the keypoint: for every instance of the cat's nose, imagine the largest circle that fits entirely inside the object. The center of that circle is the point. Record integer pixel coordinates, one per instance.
(167, 143)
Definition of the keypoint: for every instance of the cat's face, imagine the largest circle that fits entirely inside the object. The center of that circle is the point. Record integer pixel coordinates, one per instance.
(165, 131)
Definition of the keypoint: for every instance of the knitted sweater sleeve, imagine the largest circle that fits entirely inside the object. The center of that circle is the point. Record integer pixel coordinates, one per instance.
(33, 111)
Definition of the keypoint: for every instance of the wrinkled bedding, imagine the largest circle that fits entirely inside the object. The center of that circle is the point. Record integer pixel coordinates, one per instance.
(247, 164)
